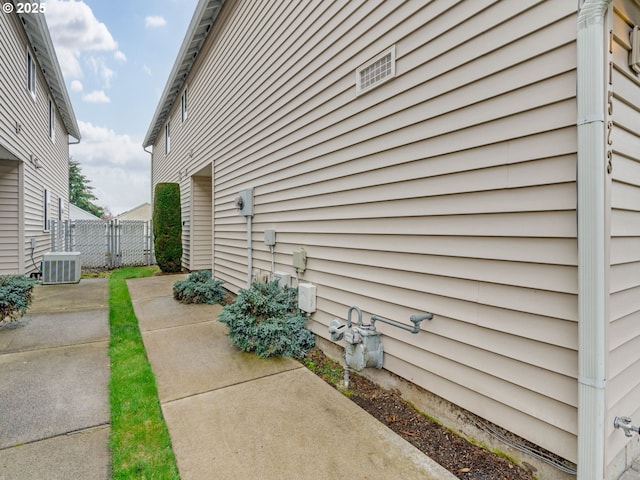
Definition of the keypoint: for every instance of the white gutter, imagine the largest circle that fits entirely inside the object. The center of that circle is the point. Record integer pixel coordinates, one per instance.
(592, 259)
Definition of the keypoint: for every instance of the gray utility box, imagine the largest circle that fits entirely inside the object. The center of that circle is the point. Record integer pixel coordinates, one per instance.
(244, 202)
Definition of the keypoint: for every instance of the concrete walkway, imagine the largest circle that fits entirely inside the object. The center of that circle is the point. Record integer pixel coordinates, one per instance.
(233, 416)
(230, 415)
(54, 374)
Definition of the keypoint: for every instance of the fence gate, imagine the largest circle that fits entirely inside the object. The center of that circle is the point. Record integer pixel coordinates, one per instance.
(105, 244)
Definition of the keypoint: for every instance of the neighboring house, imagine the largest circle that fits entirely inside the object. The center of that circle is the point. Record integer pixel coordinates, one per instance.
(36, 121)
(77, 213)
(141, 212)
(479, 160)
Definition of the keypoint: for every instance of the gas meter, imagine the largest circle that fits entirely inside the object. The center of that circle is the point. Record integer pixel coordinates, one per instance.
(363, 344)
(364, 347)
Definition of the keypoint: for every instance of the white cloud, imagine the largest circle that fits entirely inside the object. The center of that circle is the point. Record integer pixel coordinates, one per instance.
(76, 86)
(97, 96)
(75, 29)
(146, 70)
(99, 68)
(120, 56)
(116, 165)
(154, 21)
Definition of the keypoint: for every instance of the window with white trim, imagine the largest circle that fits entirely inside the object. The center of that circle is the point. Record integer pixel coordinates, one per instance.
(376, 71)
(184, 105)
(31, 75)
(52, 121)
(45, 210)
(167, 138)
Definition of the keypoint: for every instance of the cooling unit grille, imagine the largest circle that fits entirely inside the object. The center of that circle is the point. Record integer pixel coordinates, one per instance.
(61, 267)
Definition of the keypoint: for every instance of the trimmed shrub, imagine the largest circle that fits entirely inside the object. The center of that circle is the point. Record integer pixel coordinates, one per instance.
(199, 288)
(15, 296)
(265, 319)
(167, 227)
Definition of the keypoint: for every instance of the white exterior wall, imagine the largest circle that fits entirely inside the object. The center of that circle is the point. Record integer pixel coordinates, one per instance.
(449, 189)
(24, 132)
(623, 392)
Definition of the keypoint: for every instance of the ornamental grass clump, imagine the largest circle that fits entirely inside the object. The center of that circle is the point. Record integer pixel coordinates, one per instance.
(199, 287)
(265, 319)
(15, 296)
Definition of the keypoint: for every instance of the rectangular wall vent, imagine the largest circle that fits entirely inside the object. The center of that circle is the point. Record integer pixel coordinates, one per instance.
(376, 71)
(60, 267)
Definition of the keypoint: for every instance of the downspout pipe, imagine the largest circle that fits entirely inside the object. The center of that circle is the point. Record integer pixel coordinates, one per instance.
(591, 183)
(249, 250)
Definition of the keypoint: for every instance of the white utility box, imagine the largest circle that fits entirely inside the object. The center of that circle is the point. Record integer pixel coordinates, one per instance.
(270, 237)
(284, 279)
(307, 297)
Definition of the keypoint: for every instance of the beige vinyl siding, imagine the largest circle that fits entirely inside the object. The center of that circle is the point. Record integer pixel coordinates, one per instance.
(201, 223)
(623, 394)
(449, 189)
(9, 217)
(31, 138)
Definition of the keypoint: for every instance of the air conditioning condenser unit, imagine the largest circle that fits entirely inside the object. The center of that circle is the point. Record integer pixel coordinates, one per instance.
(60, 267)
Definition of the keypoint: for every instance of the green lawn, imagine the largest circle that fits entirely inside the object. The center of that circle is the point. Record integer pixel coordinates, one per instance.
(140, 442)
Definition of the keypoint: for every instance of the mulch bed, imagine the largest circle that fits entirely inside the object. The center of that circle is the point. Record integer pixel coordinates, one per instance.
(465, 460)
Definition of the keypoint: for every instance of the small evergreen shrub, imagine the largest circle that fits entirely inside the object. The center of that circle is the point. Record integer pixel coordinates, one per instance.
(265, 319)
(199, 288)
(15, 296)
(167, 227)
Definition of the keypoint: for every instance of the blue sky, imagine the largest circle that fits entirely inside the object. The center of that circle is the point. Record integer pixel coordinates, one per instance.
(116, 56)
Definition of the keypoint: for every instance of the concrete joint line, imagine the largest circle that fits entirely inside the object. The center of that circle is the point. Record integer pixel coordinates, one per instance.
(59, 347)
(231, 385)
(78, 431)
(173, 327)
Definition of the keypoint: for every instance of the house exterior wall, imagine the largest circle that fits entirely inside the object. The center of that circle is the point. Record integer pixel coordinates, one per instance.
(449, 189)
(141, 212)
(24, 132)
(623, 392)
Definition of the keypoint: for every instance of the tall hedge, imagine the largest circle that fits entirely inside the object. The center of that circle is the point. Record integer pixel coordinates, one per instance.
(167, 227)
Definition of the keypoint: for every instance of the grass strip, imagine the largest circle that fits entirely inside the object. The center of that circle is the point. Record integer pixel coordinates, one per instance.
(140, 443)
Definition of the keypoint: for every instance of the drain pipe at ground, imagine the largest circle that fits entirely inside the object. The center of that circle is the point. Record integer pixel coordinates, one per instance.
(591, 179)
(249, 251)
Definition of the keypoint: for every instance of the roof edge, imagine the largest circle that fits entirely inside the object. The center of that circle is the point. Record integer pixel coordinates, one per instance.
(184, 61)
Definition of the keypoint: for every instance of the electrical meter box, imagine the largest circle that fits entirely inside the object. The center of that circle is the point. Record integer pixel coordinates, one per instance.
(244, 202)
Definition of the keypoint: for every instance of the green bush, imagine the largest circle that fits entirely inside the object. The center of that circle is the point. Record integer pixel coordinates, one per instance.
(15, 296)
(167, 227)
(265, 319)
(199, 288)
